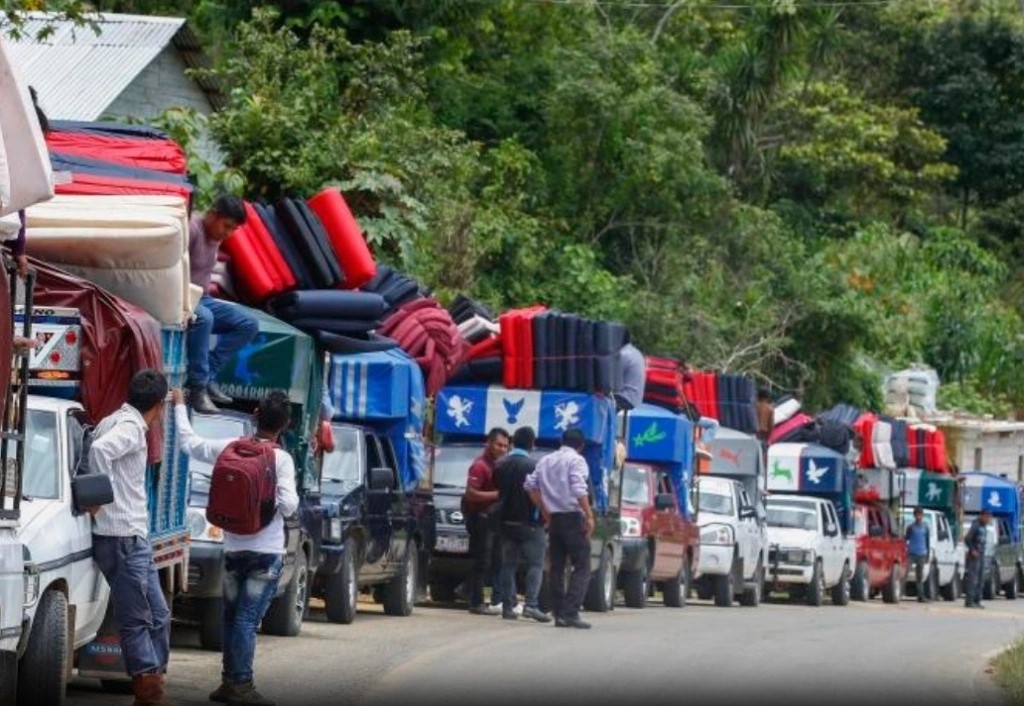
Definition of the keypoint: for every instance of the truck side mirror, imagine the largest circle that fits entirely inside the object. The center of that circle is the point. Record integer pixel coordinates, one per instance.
(91, 490)
(831, 530)
(747, 512)
(382, 479)
(664, 501)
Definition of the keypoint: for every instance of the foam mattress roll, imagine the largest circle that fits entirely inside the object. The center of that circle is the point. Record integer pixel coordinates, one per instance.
(158, 291)
(27, 158)
(72, 204)
(140, 247)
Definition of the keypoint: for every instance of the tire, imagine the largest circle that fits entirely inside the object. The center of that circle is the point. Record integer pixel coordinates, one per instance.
(841, 591)
(952, 590)
(286, 612)
(600, 596)
(676, 592)
(990, 589)
(751, 597)
(43, 669)
(211, 625)
(859, 589)
(8, 678)
(816, 588)
(635, 587)
(725, 588)
(400, 593)
(893, 592)
(341, 592)
(1012, 589)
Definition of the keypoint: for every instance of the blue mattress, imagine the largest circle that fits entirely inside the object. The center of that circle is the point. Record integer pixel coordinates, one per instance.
(328, 303)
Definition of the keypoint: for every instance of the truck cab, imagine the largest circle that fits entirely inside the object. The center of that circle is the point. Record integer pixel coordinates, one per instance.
(881, 553)
(946, 560)
(1002, 497)
(733, 543)
(203, 604)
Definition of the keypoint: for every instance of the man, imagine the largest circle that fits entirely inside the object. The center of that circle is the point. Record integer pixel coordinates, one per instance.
(479, 499)
(974, 569)
(919, 551)
(121, 536)
(558, 486)
(522, 533)
(253, 562)
(765, 415)
(233, 326)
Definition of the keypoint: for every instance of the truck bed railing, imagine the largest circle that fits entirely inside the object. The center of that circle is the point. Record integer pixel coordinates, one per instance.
(12, 423)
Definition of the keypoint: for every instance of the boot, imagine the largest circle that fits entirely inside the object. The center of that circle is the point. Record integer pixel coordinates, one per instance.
(218, 397)
(246, 695)
(199, 400)
(222, 693)
(148, 689)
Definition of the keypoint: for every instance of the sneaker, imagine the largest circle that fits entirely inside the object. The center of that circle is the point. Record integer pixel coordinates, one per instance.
(246, 695)
(571, 623)
(536, 614)
(221, 694)
(484, 609)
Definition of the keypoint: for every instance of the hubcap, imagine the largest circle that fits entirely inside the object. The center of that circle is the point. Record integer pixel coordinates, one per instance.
(351, 586)
(410, 581)
(609, 586)
(300, 594)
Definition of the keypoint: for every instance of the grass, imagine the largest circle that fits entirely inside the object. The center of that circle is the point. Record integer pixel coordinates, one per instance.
(1009, 672)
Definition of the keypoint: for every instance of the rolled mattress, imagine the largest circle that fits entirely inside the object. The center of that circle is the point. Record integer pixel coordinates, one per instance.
(325, 303)
(346, 237)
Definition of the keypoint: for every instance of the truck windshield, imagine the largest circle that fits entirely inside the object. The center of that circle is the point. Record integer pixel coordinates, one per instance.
(716, 503)
(216, 428)
(635, 489)
(792, 517)
(908, 518)
(451, 465)
(42, 469)
(342, 465)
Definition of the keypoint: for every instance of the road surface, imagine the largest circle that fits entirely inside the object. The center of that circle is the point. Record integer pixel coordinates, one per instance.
(777, 653)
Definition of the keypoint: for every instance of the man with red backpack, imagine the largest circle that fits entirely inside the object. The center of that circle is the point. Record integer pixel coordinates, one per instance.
(252, 490)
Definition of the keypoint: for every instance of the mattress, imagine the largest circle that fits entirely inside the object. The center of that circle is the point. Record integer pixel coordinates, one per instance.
(306, 243)
(158, 291)
(155, 246)
(100, 127)
(345, 236)
(84, 183)
(27, 161)
(329, 303)
(337, 343)
(334, 325)
(162, 155)
(276, 263)
(60, 161)
(285, 246)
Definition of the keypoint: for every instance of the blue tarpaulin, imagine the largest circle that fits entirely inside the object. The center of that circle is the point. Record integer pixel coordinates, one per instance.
(658, 436)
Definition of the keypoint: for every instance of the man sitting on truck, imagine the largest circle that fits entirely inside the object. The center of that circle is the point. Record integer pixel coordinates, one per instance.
(233, 326)
(522, 532)
(120, 541)
(252, 562)
(480, 497)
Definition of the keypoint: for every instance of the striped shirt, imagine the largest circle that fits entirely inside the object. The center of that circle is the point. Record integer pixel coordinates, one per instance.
(270, 539)
(119, 450)
(561, 478)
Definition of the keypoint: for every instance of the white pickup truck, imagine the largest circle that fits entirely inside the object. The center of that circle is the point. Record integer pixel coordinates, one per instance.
(65, 594)
(808, 557)
(946, 563)
(12, 596)
(733, 544)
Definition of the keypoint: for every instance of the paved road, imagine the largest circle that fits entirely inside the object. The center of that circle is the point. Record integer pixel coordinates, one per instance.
(777, 653)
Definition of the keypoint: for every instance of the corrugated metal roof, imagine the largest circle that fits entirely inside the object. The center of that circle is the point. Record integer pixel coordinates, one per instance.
(78, 73)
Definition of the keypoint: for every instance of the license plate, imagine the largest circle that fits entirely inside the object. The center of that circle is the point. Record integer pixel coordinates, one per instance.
(453, 545)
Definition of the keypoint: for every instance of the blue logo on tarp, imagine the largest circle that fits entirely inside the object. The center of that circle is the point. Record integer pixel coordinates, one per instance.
(819, 474)
(512, 409)
(242, 372)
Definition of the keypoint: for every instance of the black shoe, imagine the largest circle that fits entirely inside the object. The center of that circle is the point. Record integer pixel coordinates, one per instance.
(200, 402)
(509, 615)
(576, 623)
(920, 600)
(218, 397)
(536, 614)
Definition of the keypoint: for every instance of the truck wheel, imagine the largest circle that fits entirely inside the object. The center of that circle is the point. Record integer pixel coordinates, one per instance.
(1013, 588)
(43, 670)
(859, 589)
(893, 592)
(841, 591)
(400, 593)
(341, 594)
(951, 591)
(816, 589)
(676, 592)
(751, 597)
(635, 587)
(725, 588)
(286, 612)
(601, 592)
(211, 625)
(991, 587)
(8, 678)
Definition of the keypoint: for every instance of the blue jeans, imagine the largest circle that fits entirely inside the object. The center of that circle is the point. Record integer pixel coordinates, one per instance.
(250, 582)
(138, 601)
(523, 544)
(234, 327)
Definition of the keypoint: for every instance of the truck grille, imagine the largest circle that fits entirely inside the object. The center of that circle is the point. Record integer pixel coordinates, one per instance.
(195, 576)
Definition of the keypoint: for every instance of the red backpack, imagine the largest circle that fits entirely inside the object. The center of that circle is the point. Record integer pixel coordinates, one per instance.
(243, 487)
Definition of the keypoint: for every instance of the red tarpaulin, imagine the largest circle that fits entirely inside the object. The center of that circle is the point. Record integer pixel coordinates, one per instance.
(118, 340)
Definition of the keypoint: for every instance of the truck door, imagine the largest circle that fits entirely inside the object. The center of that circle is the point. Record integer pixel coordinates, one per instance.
(378, 511)
(399, 512)
(874, 544)
(669, 536)
(748, 528)
(943, 538)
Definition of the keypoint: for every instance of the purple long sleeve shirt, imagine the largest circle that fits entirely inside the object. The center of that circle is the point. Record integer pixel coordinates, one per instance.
(18, 246)
(561, 478)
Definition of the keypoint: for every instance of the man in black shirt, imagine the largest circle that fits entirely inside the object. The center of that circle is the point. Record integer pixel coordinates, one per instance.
(522, 532)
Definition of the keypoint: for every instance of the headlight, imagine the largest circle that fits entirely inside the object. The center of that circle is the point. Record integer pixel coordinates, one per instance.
(630, 527)
(716, 534)
(332, 529)
(803, 557)
(31, 586)
(199, 528)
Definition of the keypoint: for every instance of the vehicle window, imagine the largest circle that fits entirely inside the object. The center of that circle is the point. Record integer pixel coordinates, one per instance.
(374, 459)
(943, 529)
(792, 517)
(451, 465)
(42, 464)
(634, 485)
(826, 521)
(214, 427)
(666, 485)
(342, 464)
(390, 460)
(860, 521)
(716, 502)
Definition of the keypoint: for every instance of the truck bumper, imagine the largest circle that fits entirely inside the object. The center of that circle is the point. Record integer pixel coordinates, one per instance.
(206, 570)
(634, 553)
(789, 574)
(715, 559)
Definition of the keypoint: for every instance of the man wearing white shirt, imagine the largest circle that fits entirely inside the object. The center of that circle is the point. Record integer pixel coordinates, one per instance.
(252, 563)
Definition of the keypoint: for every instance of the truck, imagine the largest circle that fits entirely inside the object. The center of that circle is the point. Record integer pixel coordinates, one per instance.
(462, 416)
(67, 598)
(1002, 497)
(881, 547)
(731, 518)
(660, 541)
(375, 495)
(812, 550)
(936, 494)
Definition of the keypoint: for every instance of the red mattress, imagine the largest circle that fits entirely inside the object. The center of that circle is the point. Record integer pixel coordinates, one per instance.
(346, 237)
(517, 346)
(160, 155)
(95, 184)
(865, 428)
(268, 249)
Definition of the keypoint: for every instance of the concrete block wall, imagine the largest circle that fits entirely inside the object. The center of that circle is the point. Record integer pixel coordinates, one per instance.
(996, 449)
